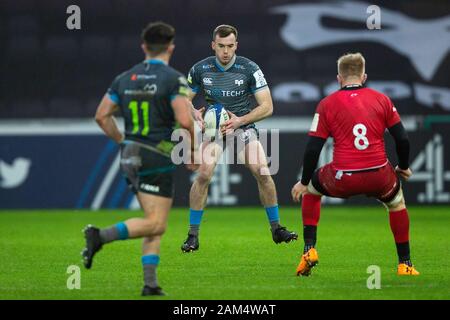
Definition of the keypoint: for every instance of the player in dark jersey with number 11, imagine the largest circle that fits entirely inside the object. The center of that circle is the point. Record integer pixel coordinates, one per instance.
(152, 98)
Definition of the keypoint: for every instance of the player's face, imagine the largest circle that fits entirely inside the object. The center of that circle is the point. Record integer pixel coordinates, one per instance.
(225, 48)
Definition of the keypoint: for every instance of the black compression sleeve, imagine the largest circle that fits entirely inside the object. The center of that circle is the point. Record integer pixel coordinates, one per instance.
(400, 136)
(312, 153)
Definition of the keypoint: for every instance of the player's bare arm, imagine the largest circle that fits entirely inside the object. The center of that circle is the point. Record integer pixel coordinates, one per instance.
(182, 108)
(106, 120)
(263, 110)
(196, 113)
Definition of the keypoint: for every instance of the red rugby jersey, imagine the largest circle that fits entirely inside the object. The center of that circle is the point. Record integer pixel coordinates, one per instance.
(356, 118)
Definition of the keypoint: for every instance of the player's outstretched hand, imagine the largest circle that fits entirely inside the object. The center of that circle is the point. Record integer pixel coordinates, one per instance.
(198, 117)
(405, 174)
(297, 191)
(231, 124)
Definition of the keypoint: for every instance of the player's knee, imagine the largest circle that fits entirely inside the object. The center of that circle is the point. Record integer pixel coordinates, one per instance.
(158, 228)
(400, 206)
(204, 175)
(261, 173)
(155, 227)
(397, 203)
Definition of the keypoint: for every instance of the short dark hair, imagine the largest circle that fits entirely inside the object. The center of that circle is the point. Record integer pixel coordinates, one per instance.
(224, 30)
(157, 36)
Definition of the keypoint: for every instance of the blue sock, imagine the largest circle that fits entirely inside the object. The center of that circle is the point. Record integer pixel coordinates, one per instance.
(195, 217)
(272, 215)
(123, 230)
(150, 259)
(149, 264)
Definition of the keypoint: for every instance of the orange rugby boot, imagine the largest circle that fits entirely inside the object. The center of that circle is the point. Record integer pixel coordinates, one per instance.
(307, 262)
(405, 270)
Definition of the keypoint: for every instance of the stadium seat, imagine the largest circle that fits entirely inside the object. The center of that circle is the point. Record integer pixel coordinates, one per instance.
(282, 63)
(51, 8)
(14, 7)
(4, 112)
(202, 41)
(96, 9)
(128, 52)
(61, 48)
(249, 46)
(27, 108)
(62, 107)
(91, 106)
(97, 49)
(134, 8)
(21, 48)
(22, 25)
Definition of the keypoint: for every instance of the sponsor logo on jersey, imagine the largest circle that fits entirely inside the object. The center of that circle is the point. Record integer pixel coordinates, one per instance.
(314, 123)
(239, 66)
(207, 66)
(207, 81)
(245, 136)
(238, 82)
(224, 93)
(149, 89)
(135, 76)
(259, 79)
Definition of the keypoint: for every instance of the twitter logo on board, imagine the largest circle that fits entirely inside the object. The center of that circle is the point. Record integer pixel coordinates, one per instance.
(13, 175)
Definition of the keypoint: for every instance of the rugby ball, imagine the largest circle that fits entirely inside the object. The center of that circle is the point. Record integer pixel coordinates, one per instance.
(215, 116)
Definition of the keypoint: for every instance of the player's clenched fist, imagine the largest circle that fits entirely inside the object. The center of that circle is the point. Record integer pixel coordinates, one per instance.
(297, 191)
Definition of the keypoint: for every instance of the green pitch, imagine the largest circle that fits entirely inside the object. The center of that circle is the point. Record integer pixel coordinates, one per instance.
(237, 258)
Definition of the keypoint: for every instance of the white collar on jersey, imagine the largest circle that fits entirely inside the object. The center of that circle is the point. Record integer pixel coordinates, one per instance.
(227, 66)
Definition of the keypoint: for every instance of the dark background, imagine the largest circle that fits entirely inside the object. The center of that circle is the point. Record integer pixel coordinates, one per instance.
(47, 70)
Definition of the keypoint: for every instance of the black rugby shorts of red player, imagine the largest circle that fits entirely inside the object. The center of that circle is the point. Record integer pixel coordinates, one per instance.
(381, 183)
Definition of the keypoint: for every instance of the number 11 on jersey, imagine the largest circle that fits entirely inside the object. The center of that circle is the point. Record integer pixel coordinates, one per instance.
(145, 107)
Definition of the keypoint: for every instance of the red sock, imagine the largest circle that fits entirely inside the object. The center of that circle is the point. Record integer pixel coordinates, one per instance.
(310, 209)
(399, 222)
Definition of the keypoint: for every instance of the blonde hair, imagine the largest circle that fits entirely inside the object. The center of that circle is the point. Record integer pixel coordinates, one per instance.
(351, 65)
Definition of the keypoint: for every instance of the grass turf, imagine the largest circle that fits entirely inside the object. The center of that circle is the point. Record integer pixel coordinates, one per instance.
(237, 258)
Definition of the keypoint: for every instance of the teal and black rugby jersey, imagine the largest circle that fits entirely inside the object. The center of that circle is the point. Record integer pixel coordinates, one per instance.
(231, 87)
(144, 94)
